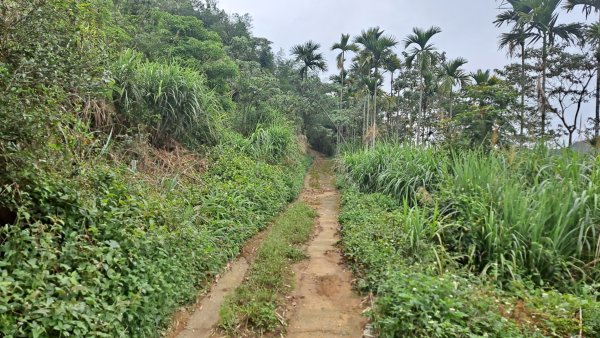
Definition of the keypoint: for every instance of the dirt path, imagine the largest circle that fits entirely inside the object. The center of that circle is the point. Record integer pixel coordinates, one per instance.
(203, 321)
(325, 306)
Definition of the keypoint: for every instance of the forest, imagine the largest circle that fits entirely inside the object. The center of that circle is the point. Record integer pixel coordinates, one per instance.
(145, 144)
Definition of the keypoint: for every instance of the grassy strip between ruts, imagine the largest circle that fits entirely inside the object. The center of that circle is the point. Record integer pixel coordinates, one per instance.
(254, 304)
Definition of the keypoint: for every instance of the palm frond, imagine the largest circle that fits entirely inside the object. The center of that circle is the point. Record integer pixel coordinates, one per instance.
(588, 6)
(421, 37)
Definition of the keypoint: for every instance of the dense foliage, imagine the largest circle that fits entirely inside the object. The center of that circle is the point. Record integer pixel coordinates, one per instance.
(127, 180)
(449, 217)
(110, 254)
(142, 142)
(422, 292)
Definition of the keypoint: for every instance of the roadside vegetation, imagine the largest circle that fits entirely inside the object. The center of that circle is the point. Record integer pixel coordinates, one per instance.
(254, 305)
(136, 158)
(469, 243)
(143, 142)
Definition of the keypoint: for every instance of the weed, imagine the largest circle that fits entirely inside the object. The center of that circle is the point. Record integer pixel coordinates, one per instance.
(254, 304)
(110, 254)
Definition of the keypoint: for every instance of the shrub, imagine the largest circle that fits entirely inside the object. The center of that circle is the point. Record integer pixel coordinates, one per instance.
(105, 253)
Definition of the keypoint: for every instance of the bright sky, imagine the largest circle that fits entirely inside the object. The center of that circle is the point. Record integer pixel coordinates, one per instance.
(467, 25)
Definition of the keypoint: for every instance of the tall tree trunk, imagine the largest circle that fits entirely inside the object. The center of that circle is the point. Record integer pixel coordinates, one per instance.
(342, 88)
(389, 119)
(451, 112)
(543, 90)
(364, 129)
(341, 96)
(420, 113)
(571, 131)
(451, 103)
(523, 56)
(374, 111)
(368, 113)
(597, 121)
(399, 113)
(425, 136)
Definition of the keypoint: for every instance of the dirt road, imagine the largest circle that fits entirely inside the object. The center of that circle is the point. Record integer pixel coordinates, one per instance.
(323, 304)
(326, 305)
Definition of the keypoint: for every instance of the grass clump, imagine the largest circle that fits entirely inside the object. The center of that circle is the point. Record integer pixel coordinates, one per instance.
(171, 101)
(513, 231)
(504, 217)
(254, 304)
(393, 170)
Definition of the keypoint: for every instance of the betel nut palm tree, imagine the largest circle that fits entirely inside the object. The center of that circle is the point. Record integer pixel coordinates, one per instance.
(376, 47)
(421, 52)
(309, 58)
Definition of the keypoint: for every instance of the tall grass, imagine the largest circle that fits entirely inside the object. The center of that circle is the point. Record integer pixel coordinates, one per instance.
(171, 100)
(273, 144)
(393, 170)
(532, 213)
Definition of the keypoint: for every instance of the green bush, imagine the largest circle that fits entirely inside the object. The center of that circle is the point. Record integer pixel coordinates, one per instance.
(413, 304)
(107, 254)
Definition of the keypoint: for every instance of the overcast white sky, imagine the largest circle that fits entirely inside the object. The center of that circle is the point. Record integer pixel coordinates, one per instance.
(467, 25)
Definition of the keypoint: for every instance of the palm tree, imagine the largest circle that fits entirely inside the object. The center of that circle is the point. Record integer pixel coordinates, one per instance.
(343, 46)
(307, 54)
(391, 64)
(376, 47)
(452, 75)
(589, 6)
(542, 23)
(484, 78)
(517, 37)
(593, 35)
(422, 51)
(360, 76)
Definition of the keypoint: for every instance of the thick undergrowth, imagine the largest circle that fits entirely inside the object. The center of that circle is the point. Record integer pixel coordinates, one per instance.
(474, 244)
(126, 184)
(110, 254)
